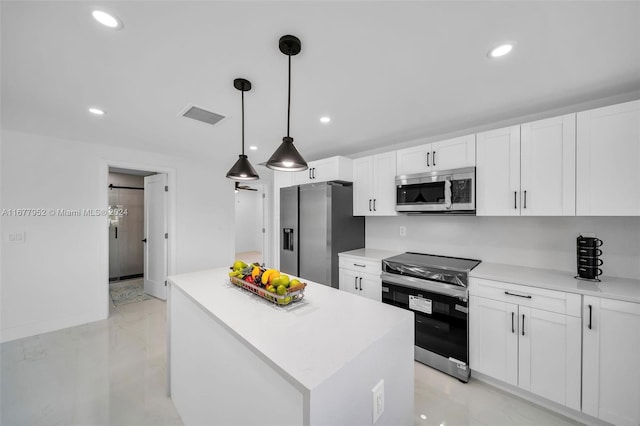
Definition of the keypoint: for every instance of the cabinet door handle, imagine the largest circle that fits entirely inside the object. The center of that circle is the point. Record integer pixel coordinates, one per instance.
(525, 199)
(515, 199)
(523, 324)
(314, 172)
(528, 296)
(428, 158)
(355, 282)
(359, 265)
(369, 204)
(513, 327)
(360, 283)
(374, 205)
(590, 312)
(434, 158)
(116, 232)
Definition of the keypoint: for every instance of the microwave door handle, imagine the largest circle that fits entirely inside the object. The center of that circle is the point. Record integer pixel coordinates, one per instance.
(447, 194)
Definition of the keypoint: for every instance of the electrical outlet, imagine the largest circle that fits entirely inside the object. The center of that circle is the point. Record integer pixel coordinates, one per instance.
(378, 400)
(403, 231)
(18, 237)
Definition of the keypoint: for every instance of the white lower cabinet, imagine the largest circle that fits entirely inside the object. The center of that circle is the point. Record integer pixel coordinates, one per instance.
(611, 350)
(361, 276)
(527, 337)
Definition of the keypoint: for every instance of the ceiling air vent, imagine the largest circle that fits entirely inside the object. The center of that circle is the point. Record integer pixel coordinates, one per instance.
(202, 115)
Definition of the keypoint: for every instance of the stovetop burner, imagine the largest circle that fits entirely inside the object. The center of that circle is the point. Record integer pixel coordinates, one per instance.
(444, 269)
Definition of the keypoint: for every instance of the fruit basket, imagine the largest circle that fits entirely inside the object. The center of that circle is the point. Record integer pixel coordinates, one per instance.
(269, 284)
(293, 294)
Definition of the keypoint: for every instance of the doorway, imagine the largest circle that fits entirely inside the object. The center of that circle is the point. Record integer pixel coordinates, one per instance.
(137, 235)
(250, 213)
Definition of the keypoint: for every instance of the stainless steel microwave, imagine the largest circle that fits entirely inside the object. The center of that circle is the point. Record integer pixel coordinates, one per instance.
(443, 191)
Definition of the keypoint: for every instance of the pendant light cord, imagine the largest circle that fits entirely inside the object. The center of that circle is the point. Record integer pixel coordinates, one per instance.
(243, 122)
(289, 97)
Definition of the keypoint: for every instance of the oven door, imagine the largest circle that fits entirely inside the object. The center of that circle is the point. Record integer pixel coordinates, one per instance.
(440, 319)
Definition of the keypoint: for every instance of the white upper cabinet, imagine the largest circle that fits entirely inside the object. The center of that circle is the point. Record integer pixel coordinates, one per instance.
(444, 155)
(498, 172)
(547, 167)
(327, 169)
(608, 161)
(454, 153)
(374, 186)
(527, 170)
(413, 160)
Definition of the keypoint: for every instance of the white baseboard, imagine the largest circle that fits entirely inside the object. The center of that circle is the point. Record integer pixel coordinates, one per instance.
(13, 333)
(545, 403)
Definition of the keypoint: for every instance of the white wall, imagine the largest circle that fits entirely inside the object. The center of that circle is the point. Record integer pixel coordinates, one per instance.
(249, 213)
(543, 242)
(58, 277)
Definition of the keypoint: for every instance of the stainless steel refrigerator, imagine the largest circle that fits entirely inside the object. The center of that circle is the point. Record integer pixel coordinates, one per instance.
(317, 223)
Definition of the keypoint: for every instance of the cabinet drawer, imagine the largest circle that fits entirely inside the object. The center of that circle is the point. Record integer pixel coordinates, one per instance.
(534, 297)
(361, 265)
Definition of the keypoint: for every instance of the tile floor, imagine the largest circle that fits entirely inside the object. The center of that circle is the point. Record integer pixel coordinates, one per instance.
(113, 372)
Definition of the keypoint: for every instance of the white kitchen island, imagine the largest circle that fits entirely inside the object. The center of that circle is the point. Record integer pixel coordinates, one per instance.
(236, 359)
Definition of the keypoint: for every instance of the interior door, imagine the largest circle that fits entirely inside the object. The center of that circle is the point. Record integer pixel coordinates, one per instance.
(155, 231)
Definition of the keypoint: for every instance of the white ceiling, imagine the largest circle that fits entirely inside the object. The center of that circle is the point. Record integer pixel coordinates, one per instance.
(385, 71)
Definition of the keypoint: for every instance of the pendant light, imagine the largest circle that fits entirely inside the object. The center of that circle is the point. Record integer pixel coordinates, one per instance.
(287, 158)
(242, 169)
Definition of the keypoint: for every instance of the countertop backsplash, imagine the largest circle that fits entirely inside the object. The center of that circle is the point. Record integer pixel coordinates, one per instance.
(538, 242)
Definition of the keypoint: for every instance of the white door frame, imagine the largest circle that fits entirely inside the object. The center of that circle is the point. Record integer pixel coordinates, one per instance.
(171, 215)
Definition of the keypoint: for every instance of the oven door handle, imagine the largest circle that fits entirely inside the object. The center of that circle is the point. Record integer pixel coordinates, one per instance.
(424, 285)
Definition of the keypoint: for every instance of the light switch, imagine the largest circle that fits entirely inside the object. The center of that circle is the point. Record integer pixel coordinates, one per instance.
(403, 231)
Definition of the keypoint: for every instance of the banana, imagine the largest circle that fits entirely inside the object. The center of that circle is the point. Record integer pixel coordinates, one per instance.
(266, 274)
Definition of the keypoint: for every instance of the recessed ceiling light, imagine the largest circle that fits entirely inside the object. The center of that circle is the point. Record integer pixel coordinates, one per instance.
(96, 111)
(253, 147)
(325, 119)
(107, 20)
(501, 50)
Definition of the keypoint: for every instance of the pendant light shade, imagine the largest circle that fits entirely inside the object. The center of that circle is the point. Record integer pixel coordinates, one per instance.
(287, 158)
(242, 169)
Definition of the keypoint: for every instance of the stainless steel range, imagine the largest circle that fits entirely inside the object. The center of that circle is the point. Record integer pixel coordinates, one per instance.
(435, 289)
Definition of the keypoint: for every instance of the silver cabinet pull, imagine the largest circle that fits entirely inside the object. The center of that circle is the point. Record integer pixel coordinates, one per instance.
(515, 199)
(360, 283)
(513, 328)
(434, 158)
(428, 158)
(361, 266)
(374, 205)
(355, 282)
(525, 199)
(523, 324)
(369, 204)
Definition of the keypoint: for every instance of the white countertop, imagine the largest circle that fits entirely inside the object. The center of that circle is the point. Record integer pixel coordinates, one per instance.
(310, 339)
(610, 287)
(370, 253)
